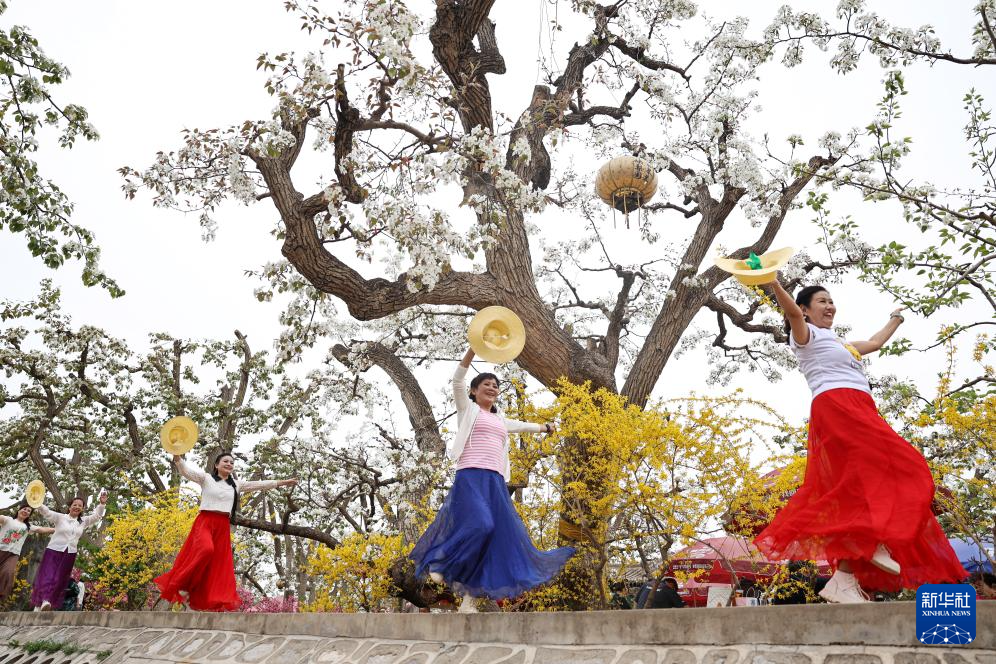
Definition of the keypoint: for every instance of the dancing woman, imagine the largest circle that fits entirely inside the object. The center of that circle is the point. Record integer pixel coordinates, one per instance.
(60, 554)
(203, 574)
(477, 542)
(864, 504)
(13, 531)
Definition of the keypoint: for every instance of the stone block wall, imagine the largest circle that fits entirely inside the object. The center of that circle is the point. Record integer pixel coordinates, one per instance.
(699, 636)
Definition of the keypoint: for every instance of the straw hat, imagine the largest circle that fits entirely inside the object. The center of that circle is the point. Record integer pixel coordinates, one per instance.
(178, 435)
(34, 495)
(497, 335)
(771, 262)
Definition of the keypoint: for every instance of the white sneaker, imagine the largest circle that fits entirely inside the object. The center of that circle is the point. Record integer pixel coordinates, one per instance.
(883, 560)
(843, 588)
(468, 605)
(436, 576)
(45, 606)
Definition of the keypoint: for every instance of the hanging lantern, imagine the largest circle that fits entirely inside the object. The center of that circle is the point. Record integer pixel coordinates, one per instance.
(626, 183)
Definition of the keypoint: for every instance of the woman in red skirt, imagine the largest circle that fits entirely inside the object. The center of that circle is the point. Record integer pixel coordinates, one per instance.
(864, 504)
(203, 574)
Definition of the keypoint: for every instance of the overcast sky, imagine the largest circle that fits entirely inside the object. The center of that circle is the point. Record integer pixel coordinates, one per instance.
(146, 70)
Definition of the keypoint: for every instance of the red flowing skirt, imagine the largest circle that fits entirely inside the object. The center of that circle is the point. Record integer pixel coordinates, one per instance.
(204, 567)
(864, 485)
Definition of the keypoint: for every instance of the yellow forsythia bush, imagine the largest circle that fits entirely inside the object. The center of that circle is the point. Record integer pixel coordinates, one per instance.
(354, 576)
(617, 478)
(140, 544)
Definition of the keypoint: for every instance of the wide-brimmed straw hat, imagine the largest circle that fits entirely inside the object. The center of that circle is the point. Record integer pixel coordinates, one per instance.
(178, 435)
(34, 494)
(770, 262)
(497, 335)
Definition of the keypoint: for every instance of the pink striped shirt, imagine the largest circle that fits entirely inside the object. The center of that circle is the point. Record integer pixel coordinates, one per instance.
(486, 445)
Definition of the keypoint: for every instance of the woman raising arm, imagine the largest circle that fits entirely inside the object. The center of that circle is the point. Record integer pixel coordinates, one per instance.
(203, 573)
(864, 504)
(477, 542)
(13, 531)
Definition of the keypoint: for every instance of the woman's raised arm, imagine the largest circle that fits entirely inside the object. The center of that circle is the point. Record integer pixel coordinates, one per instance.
(460, 381)
(793, 314)
(881, 337)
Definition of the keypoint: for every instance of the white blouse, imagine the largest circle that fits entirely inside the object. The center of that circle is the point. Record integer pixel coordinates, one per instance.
(67, 529)
(218, 495)
(827, 363)
(13, 532)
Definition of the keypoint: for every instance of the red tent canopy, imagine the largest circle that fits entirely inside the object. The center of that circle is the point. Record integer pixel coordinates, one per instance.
(716, 560)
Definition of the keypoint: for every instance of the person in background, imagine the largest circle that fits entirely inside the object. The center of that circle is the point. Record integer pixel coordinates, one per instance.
(13, 532)
(56, 566)
(73, 599)
(665, 597)
(799, 586)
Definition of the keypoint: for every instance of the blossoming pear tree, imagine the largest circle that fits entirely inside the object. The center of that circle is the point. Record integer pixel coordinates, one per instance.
(407, 194)
(81, 410)
(31, 205)
(945, 260)
(370, 140)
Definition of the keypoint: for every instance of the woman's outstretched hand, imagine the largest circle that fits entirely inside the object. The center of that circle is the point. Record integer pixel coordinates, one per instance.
(290, 482)
(103, 498)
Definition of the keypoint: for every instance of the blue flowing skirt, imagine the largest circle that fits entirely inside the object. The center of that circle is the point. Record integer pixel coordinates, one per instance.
(479, 544)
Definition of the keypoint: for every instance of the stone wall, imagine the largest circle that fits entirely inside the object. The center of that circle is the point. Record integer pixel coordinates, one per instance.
(872, 634)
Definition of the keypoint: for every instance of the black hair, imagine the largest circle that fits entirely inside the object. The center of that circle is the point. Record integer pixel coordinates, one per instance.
(230, 480)
(803, 298)
(480, 378)
(20, 506)
(82, 500)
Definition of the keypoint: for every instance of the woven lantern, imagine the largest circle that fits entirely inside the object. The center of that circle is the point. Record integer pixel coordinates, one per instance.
(626, 183)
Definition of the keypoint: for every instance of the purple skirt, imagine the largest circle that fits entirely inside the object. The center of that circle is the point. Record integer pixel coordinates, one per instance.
(52, 578)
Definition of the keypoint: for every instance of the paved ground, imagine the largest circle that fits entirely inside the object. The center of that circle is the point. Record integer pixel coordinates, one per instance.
(768, 635)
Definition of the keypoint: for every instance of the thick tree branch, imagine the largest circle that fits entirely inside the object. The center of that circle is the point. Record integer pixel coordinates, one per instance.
(287, 529)
(452, 36)
(347, 119)
(617, 319)
(692, 291)
(233, 402)
(639, 56)
(714, 276)
(745, 321)
(423, 422)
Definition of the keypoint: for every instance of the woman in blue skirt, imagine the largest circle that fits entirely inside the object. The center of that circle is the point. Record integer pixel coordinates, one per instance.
(477, 543)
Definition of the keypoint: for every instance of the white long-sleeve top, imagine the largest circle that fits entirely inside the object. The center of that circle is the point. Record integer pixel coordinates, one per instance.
(218, 495)
(67, 529)
(467, 412)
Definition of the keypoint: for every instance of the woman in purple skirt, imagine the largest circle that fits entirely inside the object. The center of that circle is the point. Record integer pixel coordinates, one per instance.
(477, 542)
(60, 555)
